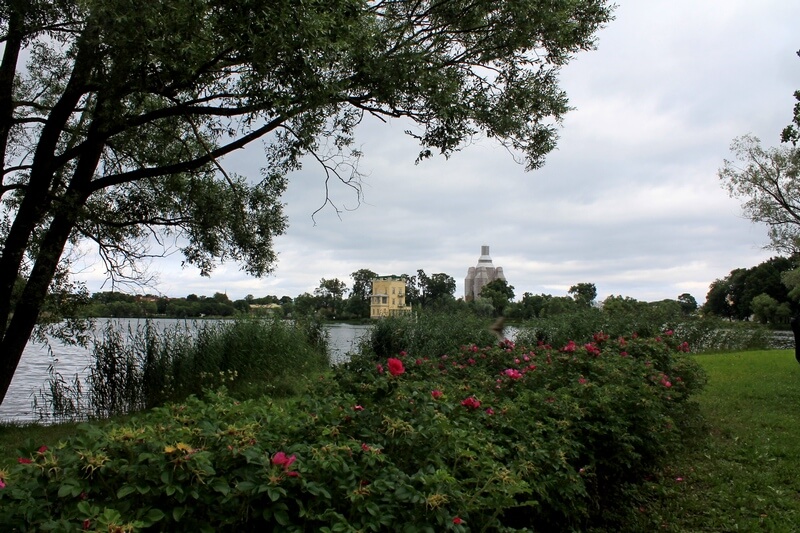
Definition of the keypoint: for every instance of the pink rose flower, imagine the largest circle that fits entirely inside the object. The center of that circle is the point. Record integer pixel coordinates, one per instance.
(281, 459)
(395, 366)
(471, 403)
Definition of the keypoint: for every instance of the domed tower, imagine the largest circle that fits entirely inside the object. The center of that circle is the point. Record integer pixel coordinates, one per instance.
(478, 276)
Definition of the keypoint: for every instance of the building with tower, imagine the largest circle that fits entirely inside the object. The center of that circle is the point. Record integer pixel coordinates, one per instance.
(478, 276)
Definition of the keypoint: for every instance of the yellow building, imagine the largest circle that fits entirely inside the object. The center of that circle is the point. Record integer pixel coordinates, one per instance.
(388, 297)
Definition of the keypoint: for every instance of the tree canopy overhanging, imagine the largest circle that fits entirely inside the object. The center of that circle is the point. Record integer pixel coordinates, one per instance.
(115, 116)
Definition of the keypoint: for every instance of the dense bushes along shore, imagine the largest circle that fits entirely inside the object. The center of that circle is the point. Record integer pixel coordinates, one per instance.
(497, 437)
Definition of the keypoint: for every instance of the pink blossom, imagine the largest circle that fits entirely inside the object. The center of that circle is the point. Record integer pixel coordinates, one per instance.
(570, 347)
(24, 461)
(457, 521)
(42, 449)
(436, 394)
(379, 367)
(403, 354)
(281, 459)
(2, 483)
(358, 408)
(472, 402)
(489, 411)
(582, 380)
(512, 373)
(395, 366)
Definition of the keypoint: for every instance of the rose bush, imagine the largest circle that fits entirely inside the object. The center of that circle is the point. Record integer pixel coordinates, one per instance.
(498, 437)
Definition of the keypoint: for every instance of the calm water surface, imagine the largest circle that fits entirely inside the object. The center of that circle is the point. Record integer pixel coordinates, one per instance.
(38, 362)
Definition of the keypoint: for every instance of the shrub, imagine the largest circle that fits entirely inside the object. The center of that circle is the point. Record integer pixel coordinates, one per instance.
(427, 332)
(481, 438)
(702, 333)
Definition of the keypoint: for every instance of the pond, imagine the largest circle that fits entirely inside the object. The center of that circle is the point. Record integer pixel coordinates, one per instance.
(38, 362)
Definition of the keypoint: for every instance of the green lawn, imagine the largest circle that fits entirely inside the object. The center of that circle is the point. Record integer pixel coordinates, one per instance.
(746, 474)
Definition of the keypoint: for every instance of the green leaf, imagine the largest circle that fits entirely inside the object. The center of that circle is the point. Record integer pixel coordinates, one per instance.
(125, 490)
(154, 515)
(177, 513)
(245, 486)
(221, 486)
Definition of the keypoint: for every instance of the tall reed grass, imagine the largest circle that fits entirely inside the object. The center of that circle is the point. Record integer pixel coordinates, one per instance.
(144, 366)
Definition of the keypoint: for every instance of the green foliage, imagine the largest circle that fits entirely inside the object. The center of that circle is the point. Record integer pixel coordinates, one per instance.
(146, 366)
(500, 293)
(622, 317)
(358, 305)
(766, 181)
(688, 303)
(482, 438)
(732, 296)
(710, 334)
(584, 293)
(427, 332)
(431, 292)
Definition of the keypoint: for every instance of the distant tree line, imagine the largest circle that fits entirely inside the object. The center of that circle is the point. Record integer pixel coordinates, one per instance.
(333, 300)
(767, 293)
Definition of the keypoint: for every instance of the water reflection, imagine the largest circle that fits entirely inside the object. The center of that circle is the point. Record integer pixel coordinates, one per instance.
(34, 368)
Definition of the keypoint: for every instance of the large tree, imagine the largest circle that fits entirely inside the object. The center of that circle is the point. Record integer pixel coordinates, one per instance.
(115, 116)
(500, 293)
(583, 293)
(359, 302)
(436, 290)
(766, 179)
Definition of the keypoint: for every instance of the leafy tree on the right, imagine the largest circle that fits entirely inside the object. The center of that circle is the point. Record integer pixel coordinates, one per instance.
(766, 179)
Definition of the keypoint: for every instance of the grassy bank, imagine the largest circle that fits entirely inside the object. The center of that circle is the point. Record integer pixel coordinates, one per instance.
(745, 475)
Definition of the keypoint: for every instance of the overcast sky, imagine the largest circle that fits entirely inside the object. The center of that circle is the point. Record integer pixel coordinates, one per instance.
(630, 200)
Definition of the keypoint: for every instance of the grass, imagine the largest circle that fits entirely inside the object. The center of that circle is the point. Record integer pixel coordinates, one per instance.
(742, 474)
(18, 436)
(745, 475)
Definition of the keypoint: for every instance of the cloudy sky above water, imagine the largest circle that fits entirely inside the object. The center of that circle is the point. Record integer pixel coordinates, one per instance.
(630, 200)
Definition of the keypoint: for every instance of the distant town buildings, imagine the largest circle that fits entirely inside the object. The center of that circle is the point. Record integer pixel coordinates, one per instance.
(480, 275)
(388, 297)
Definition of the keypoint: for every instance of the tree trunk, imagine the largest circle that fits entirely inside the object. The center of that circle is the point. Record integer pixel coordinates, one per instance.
(795, 322)
(17, 325)
(26, 311)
